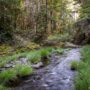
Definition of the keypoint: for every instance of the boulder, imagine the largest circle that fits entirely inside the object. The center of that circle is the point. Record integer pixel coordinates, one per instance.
(82, 32)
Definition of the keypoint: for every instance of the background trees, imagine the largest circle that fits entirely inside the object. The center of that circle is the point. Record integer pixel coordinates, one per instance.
(85, 8)
(9, 10)
(34, 19)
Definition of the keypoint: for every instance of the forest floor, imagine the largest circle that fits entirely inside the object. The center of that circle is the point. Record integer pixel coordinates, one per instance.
(56, 76)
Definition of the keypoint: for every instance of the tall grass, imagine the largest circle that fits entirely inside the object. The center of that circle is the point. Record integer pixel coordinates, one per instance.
(82, 81)
(34, 57)
(15, 73)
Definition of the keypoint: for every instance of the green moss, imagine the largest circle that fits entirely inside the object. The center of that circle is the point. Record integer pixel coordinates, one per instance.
(5, 50)
(32, 45)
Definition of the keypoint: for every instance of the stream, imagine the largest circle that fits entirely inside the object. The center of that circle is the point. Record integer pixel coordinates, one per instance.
(56, 76)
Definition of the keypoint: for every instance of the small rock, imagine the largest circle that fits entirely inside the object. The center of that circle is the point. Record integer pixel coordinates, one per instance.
(57, 57)
(38, 65)
(8, 65)
(17, 62)
(13, 66)
(24, 60)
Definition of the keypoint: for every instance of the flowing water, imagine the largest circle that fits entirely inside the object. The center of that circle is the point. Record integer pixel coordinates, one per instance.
(56, 76)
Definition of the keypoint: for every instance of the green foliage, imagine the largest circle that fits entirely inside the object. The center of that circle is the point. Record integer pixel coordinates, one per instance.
(6, 59)
(34, 57)
(23, 70)
(14, 73)
(9, 10)
(74, 65)
(59, 50)
(2, 87)
(60, 15)
(44, 52)
(48, 17)
(85, 9)
(5, 49)
(60, 37)
(82, 81)
(7, 75)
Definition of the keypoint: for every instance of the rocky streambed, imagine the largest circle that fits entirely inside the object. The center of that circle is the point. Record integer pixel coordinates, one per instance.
(56, 76)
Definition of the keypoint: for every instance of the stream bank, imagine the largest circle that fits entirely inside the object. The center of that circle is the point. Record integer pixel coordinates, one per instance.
(56, 76)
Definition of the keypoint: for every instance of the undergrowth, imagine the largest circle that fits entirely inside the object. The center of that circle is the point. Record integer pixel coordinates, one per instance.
(15, 73)
(33, 56)
(2, 87)
(82, 81)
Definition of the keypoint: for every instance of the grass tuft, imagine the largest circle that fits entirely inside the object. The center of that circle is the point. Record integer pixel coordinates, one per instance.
(74, 65)
(23, 70)
(7, 75)
(44, 52)
(34, 57)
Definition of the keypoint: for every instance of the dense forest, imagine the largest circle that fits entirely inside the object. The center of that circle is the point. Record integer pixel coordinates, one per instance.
(34, 20)
(44, 44)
